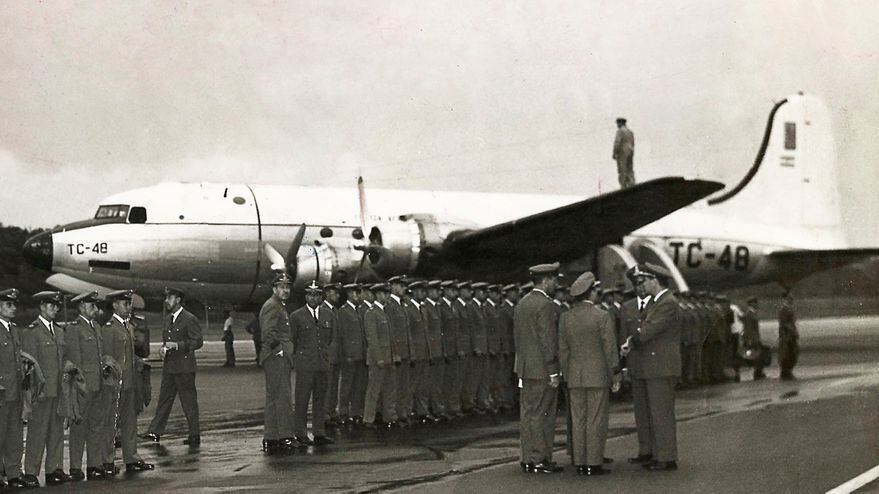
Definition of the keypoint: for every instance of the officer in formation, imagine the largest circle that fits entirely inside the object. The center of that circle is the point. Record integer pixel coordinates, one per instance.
(11, 393)
(788, 338)
(180, 339)
(752, 344)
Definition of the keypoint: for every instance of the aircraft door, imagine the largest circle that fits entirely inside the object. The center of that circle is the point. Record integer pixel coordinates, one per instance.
(612, 261)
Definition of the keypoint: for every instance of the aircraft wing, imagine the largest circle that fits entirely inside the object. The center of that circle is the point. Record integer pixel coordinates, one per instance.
(801, 263)
(570, 231)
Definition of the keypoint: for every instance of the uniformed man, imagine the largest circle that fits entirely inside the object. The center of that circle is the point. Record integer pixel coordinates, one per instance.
(590, 365)
(465, 348)
(452, 357)
(277, 359)
(399, 321)
(420, 352)
(11, 393)
(352, 341)
(85, 350)
(536, 331)
(332, 298)
(314, 334)
(751, 340)
(120, 344)
(624, 153)
(505, 327)
(480, 366)
(382, 383)
(430, 310)
(180, 339)
(44, 340)
(491, 309)
(658, 340)
(788, 338)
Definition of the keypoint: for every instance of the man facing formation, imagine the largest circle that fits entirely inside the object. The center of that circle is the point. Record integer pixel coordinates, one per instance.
(277, 362)
(180, 339)
(623, 154)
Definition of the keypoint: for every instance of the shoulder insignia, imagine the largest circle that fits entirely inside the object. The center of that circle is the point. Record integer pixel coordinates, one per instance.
(109, 323)
(73, 323)
(32, 325)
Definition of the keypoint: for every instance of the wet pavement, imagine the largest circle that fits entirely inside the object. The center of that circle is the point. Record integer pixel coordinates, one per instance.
(838, 374)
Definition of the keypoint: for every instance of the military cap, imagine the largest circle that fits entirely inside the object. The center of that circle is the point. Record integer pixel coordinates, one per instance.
(449, 285)
(91, 296)
(10, 295)
(49, 296)
(544, 268)
(417, 284)
(313, 287)
(582, 284)
(638, 270)
(282, 279)
(380, 287)
(400, 280)
(527, 287)
(463, 284)
(510, 287)
(479, 285)
(120, 295)
(621, 120)
(437, 284)
(494, 288)
(350, 287)
(170, 290)
(332, 286)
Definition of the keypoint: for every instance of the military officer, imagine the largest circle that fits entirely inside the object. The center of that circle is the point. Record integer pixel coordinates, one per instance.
(450, 320)
(399, 321)
(465, 347)
(119, 343)
(332, 295)
(352, 341)
(314, 333)
(589, 363)
(419, 350)
(382, 383)
(536, 331)
(180, 339)
(44, 340)
(477, 381)
(84, 349)
(11, 394)
(491, 310)
(658, 339)
(505, 320)
(277, 361)
(788, 338)
(751, 337)
(430, 311)
(631, 313)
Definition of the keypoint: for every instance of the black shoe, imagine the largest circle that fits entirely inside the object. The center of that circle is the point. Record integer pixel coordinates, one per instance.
(76, 474)
(660, 466)
(29, 481)
(272, 446)
(94, 473)
(369, 425)
(56, 477)
(641, 459)
(110, 469)
(526, 467)
(17, 483)
(117, 443)
(139, 466)
(192, 440)
(151, 436)
(322, 440)
(544, 467)
(591, 470)
(288, 443)
(305, 441)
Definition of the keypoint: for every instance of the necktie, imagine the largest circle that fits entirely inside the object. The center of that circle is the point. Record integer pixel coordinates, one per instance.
(52, 328)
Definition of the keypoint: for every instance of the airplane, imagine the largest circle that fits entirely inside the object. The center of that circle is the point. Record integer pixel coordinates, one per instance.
(217, 241)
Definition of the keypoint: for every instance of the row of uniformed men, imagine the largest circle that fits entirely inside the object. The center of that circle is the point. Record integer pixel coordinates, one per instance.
(83, 375)
(414, 351)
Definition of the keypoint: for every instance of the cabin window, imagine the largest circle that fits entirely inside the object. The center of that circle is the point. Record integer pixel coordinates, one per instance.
(790, 136)
(137, 215)
(326, 232)
(112, 211)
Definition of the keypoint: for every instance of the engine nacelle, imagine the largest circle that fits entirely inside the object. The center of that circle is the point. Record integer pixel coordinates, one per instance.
(408, 245)
(314, 262)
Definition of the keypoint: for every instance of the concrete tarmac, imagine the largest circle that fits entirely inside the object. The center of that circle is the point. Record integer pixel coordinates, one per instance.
(807, 435)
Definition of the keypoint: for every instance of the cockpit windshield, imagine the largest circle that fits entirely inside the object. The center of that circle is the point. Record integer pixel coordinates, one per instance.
(113, 211)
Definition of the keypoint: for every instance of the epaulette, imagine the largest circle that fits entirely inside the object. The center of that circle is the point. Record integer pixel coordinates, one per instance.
(108, 323)
(139, 317)
(32, 325)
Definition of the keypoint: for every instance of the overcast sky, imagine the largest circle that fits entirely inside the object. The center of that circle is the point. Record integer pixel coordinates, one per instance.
(99, 97)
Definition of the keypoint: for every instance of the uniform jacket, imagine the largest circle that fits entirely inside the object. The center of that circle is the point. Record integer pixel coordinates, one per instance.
(120, 344)
(399, 321)
(630, 321)
(313, 339)
(430, 311)
(787, 324)
(450, 322)
(352, 339)
(750, 329)
(535, 324)
(277, 335)
(186, 332)
(659, 338)
(85, 350)
(492, 323)
(11, 368)
(505, 327)
(587, 347)
(478, 331)
(623, 143)
(49, 351)
(378, 337)
(418, 343)
(465, 327)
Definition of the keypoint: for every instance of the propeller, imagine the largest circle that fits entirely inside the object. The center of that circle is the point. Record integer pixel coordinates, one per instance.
(291, 264)
(361, 196)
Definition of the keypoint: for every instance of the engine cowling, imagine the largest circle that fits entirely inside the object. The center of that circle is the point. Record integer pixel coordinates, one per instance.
(408, 245)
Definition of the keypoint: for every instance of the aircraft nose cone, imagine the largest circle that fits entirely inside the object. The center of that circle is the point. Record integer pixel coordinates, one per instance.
(37, 251)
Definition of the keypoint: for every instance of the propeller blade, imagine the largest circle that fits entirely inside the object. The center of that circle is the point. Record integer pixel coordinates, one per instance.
(360, 266)
(361, 196)
(293, 253)
(275, 257)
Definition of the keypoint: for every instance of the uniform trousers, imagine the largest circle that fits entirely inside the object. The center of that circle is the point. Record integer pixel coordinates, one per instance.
(182, 385)
(419, 385)
(589, 416)
(626, 171)
(279, 400)
(537, 420)
(477, 382)
(382, 384)
(127, 420)
(331, 400)
(310, 385)
(451, 378)
(435, 382)
(655, 417)
(87, 433)
(352, 388)
(11, 437)
(404, 390)
(465, 376)
(45, 434)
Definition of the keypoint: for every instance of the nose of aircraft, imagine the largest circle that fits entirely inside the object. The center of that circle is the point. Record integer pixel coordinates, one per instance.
(38, 249)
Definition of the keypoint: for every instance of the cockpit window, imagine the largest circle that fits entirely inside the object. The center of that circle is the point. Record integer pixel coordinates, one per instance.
(137, 215)
(112, 212)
